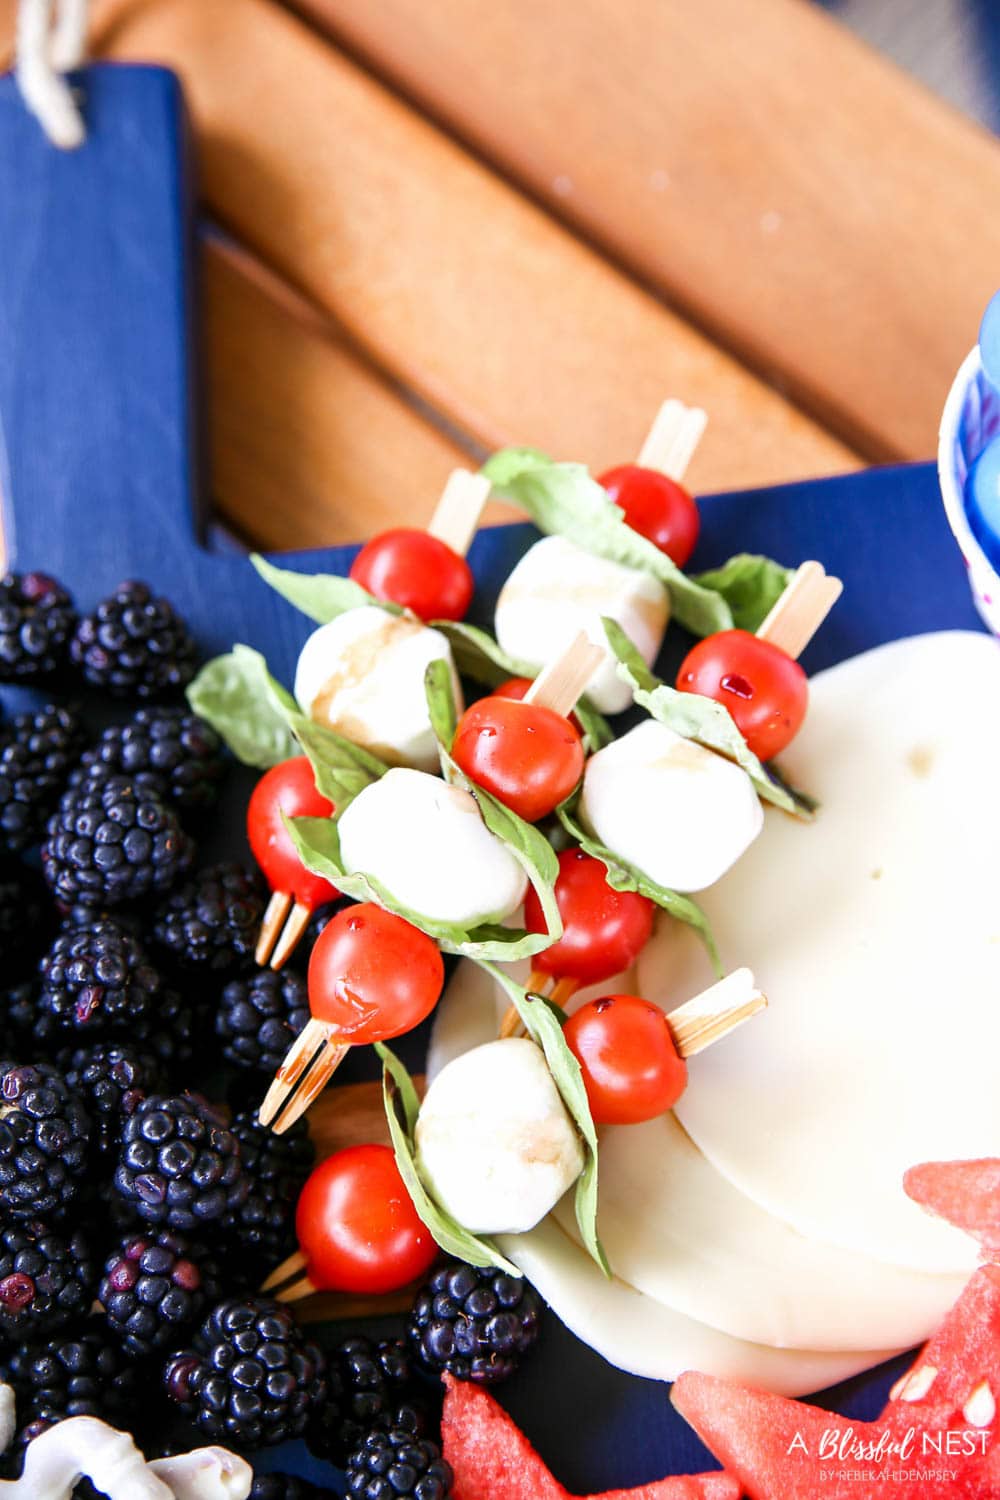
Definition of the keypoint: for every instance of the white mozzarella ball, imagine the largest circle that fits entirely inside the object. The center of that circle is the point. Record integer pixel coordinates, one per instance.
(362, 674)
(427, 844)
(558, 589)
(676, 811)
(495, 1145)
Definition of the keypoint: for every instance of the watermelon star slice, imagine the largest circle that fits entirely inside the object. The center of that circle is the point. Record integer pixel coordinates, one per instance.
(493, 1460)
(937, 1438)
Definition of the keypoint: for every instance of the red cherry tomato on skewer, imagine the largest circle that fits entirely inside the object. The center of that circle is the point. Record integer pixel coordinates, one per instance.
(373, 975)
(764, 689)
(517, 687)
(287, 788)
(604, 930)
(527, 755)
(357, 1227)
(657, 507)
(631, 1069)
(412, 568)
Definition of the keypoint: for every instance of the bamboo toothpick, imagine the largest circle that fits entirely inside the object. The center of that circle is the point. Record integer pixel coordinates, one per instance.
(456, 515)
(278, 908)
(802, 608)
(309, 1064)
(715, 1012)
(671, 441)
(559, 685)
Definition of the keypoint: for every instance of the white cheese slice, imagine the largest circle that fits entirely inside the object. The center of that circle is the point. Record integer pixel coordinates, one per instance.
(557, 589)
(426, 842)
(678, 812)
(644, 1337)
(363, 675)
(678, 1232)
(875, 933)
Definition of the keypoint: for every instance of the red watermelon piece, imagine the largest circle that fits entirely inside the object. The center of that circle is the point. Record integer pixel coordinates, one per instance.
(493, 1460)
(966, 1193)
(941, 1423)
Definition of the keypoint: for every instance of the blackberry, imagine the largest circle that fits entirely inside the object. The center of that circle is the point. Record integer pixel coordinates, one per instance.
(276, 1166)
(212, 922)
(37, 618)
(474, 1323)
(96, 983)
(84, 1375)
(180, 1164)
(371, 1386)
(134, 646)
(395, 1465)
(46, 1280)
(36, 757)
(44, 1136)
(112, 841)
(26, 917)
(170, 750)
(259, 1017)
(155, 1288)
(113, 1080)
(251, 1377)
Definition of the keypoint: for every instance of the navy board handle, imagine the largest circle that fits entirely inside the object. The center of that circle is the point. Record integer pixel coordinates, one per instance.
(101, 479)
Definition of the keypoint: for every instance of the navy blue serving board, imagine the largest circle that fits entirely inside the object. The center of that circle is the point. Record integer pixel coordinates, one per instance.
(99, 477)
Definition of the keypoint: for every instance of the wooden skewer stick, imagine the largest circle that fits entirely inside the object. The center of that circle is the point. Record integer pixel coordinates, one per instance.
(292, 935)
(558, 686)
(561, 994)
(456, 515)
(290, 1267)
(278, 908)
(715, 1012)
(671, 441)
(297, 1288)
(802, 608)
(310, 1062)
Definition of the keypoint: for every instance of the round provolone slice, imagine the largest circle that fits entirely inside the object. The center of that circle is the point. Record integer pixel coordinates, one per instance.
(875, 933)
(637, 1334)
(677, 1231)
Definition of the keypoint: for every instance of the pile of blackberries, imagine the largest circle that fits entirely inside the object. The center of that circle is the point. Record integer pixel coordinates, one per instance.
(138, 1215)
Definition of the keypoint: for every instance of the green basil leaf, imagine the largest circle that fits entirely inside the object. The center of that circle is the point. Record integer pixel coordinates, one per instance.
(318, 845)
(237, 695)
(546, 1031)
(321, 596)
(565, 500)
(341, 769)
(750, 585)
(530, 848)
(625, 877)
(478, 656)
(397, 1087)
(700, 719)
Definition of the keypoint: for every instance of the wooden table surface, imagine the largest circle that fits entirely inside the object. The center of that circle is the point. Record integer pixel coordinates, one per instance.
(433, 229)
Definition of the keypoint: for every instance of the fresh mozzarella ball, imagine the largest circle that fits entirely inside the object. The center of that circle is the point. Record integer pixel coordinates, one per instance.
(676, 811)
(495, 1145)
(363, 675)
(558, 589)
(426, 843)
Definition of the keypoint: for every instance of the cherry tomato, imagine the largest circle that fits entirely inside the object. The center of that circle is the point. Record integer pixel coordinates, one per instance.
(357, 1227)
(603, 929)
(516, 687)
(528, 756)
(373, 975)
(764, 689)
(287, 788)
(658, 507)
(419, 571)
(631, 1068)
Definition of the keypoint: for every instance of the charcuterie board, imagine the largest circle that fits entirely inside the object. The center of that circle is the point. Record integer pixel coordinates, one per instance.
(100, 483)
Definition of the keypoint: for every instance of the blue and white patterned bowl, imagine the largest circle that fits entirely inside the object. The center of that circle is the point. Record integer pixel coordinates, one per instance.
(970, 420)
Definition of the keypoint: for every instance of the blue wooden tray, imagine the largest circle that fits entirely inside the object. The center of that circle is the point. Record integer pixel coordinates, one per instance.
(97, 440)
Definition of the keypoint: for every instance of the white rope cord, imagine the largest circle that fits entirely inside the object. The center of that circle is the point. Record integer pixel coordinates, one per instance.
(51, 39)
